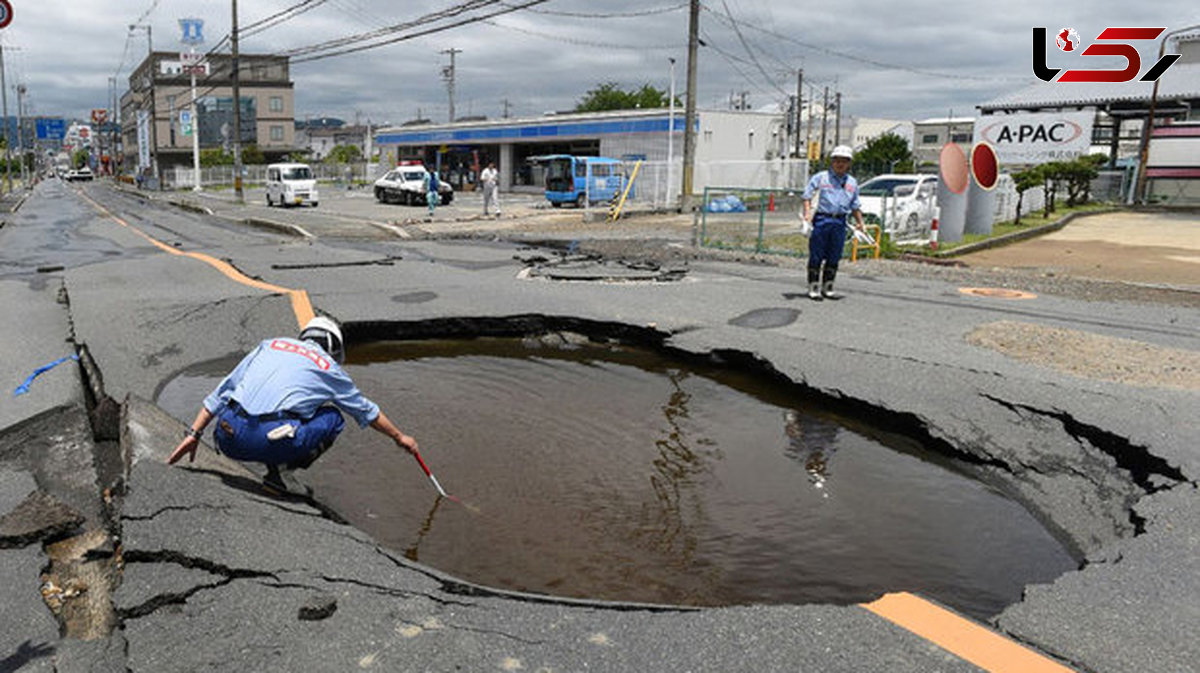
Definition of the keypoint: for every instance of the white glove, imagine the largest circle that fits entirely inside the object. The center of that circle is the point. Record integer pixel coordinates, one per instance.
(805, 227)
(862, 236)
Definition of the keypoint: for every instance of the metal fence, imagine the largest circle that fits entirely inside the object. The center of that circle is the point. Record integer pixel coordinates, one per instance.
(752, 220)
(181, 177)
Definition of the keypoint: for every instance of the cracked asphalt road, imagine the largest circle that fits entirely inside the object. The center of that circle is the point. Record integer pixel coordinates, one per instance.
(210, 573)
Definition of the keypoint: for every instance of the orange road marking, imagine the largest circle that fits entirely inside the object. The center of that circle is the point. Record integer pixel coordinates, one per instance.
(301, 305)
(961, 637)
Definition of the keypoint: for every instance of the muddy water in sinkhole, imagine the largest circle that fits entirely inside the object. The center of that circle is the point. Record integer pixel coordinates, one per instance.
(616, 473)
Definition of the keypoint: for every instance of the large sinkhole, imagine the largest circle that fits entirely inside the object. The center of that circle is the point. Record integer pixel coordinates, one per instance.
(611, 472)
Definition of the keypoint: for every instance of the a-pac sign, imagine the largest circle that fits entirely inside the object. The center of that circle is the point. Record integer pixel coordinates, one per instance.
(1068, 41)
(1033, 138)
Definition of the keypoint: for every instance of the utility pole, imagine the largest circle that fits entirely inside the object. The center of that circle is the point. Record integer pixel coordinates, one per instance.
(448, 75)
(812, 101)
(7, 139)
(689, 132)
(837, 124)
(799, 107)
(234, 66)
(21, 133)
(506, 105)
(671, 134)
(789, 127)
(112, 119)
(824, 122)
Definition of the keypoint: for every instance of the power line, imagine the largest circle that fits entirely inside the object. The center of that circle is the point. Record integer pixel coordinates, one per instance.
(841, 54)
(280, 17)
(733, 63)
(421, 33)
(581, 42)
(328, 45)
(750, 52)
(612, 15)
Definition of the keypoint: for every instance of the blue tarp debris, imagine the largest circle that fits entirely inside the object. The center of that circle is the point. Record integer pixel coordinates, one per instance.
(24, 387)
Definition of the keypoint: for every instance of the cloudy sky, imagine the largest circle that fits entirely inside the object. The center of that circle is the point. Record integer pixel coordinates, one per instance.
(891, 59)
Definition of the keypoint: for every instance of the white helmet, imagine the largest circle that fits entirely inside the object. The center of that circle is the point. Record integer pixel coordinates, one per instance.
(325, 333)
(842, 151)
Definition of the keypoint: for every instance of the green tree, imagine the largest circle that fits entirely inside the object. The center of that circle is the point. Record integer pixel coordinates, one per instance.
(610, 96)
(1024, 181)
(252, 155)
(887, 153)
(1054, 173)
(1078, 175)
(80, 158)
(215, 156)
(344, 154)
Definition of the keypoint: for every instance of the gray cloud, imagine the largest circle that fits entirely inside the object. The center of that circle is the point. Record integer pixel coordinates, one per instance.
(65, 52)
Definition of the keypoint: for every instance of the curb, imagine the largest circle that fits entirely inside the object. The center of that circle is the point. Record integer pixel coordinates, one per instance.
(191, 207)
(1022, 235)
(290, 229)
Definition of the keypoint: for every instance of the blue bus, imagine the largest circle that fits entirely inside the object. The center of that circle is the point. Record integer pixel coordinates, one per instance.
(580, 180)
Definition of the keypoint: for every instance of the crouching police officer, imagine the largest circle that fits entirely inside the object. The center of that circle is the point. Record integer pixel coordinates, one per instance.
(280, 406)
(838, 197)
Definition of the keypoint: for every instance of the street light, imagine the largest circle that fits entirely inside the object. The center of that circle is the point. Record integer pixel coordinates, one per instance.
(1145, 153)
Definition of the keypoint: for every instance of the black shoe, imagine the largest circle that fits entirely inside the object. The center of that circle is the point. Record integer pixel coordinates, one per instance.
(284, 481)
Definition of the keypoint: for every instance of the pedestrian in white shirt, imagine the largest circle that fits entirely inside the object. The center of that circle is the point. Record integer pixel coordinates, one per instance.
(489, 178)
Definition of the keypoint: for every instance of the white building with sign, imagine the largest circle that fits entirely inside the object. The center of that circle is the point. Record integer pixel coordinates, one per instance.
(1036, 137)
(1119, 112)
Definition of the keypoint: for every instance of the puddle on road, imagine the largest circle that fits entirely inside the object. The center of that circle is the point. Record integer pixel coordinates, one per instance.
(617, 473)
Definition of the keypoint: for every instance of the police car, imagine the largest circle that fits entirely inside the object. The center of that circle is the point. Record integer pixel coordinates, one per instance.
(406, 184)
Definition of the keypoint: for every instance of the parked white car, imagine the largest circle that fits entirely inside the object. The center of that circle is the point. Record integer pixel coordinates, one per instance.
(406, 184)
(911, 201)
(291, 184)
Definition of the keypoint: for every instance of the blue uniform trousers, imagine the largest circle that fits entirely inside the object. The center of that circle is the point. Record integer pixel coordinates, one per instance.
(244, 437)
(827, 240)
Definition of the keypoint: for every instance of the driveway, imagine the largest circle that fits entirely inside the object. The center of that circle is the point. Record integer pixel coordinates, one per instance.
(1156, 248)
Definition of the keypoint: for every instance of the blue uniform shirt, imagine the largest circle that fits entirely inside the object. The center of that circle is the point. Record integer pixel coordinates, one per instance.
(839, 196)
(290, 375)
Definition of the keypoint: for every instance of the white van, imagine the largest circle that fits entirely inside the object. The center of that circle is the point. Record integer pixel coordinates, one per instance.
(291, 184)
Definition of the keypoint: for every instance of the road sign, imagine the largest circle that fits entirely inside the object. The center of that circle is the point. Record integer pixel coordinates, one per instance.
(5, 13)
(198, 69)
(51, 129)
(99, 115)
(185, 122)
(192, 31)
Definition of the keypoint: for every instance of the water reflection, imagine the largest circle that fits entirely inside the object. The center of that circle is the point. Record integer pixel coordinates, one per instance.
(812, 442)
(411, 551)
(677, 468)
(616, 473)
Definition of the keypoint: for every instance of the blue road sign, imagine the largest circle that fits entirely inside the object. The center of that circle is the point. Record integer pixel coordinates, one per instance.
(51, 129)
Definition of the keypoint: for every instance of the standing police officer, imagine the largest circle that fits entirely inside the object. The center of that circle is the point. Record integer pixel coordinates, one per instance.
(274, 407)
(838, 197)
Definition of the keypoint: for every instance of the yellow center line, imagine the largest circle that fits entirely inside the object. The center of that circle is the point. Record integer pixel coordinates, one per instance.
(960, 636)
(301, 305)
